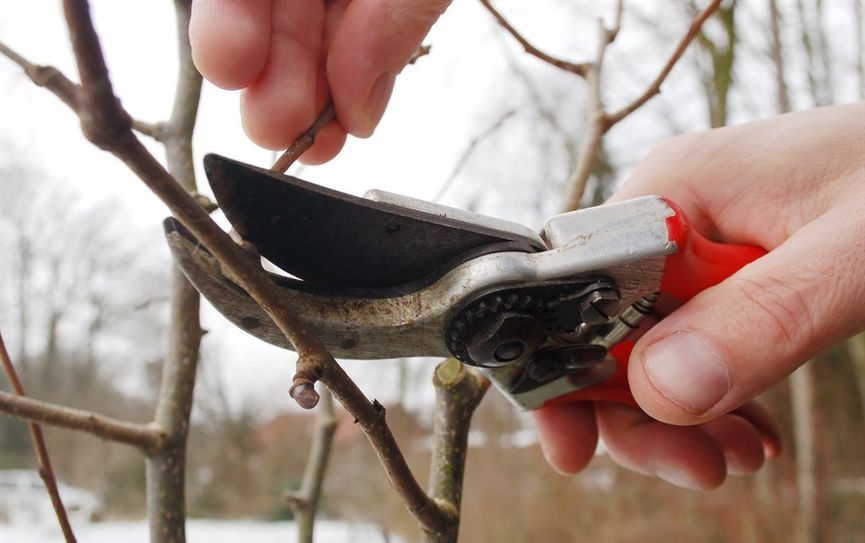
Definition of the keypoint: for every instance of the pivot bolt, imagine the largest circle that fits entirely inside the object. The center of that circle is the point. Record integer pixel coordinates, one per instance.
(504, 340)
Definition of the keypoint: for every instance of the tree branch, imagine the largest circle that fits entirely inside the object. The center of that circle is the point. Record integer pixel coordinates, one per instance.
(304, 502)
(144, 436)
(598, 120)
(422, 51)
(371, 418)
(655, 87)
(47, 77)
(153, 130)
(305, 140)
(596, 123)
(459, 390)
(65, 89)
(574, 68)
(166, 468)
(45, 469)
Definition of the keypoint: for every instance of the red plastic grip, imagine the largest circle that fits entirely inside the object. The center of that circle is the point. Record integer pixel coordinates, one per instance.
(698, 264)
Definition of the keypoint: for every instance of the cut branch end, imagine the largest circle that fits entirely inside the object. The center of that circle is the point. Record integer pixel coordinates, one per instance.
(304, 393)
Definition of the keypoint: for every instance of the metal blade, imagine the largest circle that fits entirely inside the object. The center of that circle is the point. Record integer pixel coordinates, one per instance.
(350, 326)
(329, 238)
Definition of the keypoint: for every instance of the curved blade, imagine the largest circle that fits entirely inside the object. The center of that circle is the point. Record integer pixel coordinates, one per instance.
(350, 326)
(329, 238)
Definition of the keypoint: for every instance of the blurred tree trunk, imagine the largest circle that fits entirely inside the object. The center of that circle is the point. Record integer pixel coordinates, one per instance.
(722, 55)
(801, 382)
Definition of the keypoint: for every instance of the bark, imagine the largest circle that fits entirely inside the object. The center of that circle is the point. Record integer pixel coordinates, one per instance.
(146, 437)
(304, 503)
(166, 504)
(458, 393)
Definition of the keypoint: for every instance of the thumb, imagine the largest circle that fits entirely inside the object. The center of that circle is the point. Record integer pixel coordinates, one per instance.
(372, 43)
(734, 340)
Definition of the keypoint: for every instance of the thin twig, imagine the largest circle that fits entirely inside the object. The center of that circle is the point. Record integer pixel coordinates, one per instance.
(144, 436)
(153, 130)
(46, 76)
(305, 140)
(65, 89)
(422, 51)
(304, 502)
(246, 271)
(655, 87)
(596, 124)
(45, 469)
(598, 121)
(574, 68)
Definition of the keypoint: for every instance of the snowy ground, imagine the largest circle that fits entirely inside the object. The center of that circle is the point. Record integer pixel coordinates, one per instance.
(198, 531)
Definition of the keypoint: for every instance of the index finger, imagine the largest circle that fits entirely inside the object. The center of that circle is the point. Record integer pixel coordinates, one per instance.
(230, 40)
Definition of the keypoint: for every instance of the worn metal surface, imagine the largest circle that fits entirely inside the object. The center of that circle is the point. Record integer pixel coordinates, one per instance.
(330, 238)
(470, 217)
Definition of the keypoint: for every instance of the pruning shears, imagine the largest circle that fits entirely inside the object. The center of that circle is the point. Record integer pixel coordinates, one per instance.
(548, 318)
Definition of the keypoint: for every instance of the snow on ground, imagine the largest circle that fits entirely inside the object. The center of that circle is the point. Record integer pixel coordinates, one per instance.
(198, 531)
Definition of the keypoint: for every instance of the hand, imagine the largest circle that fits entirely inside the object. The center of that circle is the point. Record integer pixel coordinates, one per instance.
(794, 185)
(291, 56)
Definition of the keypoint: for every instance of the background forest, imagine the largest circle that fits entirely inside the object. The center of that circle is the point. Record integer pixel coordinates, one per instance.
(84, 269)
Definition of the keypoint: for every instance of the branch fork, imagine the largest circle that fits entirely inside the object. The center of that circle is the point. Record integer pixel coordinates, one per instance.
(598, 120)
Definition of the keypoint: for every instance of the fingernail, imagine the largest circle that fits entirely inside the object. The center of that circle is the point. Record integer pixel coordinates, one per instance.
(688, 371)
(678, 477)
(378, 97)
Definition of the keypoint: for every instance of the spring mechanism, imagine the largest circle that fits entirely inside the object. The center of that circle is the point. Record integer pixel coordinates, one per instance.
(627, 321)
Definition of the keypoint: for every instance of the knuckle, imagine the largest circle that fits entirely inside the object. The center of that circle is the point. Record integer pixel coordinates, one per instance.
(777, 309)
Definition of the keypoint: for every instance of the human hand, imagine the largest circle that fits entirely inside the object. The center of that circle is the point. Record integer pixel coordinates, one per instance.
(794, 185)
(291, 56)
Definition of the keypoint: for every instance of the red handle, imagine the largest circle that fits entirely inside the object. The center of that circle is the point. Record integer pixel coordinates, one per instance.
(697, 265)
